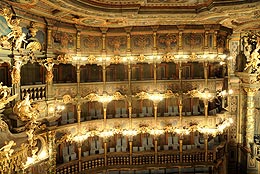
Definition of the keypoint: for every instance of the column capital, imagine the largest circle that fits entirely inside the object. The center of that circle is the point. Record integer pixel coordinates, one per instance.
(251, 90)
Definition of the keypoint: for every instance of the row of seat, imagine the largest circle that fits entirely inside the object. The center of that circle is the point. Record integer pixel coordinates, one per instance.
(146, 145)
(68, 153)
(69, 117)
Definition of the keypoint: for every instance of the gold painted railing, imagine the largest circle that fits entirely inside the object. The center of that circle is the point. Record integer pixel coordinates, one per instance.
(72, 167)
(15, 162)
(161, 159)
(37, 92)
(136, 86)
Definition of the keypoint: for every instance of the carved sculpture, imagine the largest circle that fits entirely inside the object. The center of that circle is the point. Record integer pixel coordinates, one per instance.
(24, 110)
(16, 35)
(7, 150)
(251, 46)
(15, 74)
(252, 65)
(49, 67)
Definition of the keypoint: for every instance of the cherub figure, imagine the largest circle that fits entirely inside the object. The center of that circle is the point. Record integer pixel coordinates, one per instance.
(19, 41)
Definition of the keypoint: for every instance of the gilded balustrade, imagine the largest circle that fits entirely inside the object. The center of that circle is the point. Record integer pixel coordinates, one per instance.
(68, 168)
(37, 92)
(118, 159)
(136, 86)
(164, 158)
(15, 162)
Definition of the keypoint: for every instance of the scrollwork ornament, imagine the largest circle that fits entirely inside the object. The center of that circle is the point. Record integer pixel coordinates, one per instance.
(115, 59)
(91, 59)
(6, 150)
(193, 57)
(118, 96)
(67, 99)
(168, 57)
(141, 58)
(24, 110)
(64, 138)
(64, 58)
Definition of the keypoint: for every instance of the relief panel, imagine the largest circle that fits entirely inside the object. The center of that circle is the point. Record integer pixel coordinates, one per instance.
(193, 42)
(142, 44)
(64, 42)
(167, 42)
(116, 45)
(91, 44)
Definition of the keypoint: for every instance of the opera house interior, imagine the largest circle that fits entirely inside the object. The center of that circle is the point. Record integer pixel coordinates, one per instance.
(129, 87)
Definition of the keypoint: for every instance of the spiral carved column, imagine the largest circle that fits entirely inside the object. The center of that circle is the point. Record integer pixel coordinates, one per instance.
(250, 121)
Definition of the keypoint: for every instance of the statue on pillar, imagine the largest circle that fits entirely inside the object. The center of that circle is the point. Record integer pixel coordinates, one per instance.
(49, 67)
(15, 74)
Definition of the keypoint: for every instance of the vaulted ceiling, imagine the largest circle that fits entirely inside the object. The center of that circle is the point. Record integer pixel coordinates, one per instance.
(236, 14)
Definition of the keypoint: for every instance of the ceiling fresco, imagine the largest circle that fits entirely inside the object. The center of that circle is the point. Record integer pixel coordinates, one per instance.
(235, 14)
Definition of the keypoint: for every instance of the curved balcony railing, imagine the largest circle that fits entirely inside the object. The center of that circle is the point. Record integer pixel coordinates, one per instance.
(39, 92)
(114, 160)
(15, 162)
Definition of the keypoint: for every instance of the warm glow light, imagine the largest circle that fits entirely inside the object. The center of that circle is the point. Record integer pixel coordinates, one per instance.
(57, 108)
(51, 109)
(156, 97)
(129, 133)
(206, 95)
(106, 134)
(156, 132)
(81, 138)
(230, 91)
(105, 98)
(30, 160)
(209, 131)
(182, 131)
(218, 130)
(43, 154)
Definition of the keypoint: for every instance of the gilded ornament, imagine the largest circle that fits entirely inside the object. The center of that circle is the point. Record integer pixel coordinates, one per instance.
(168, 57)
(49, 67)
(169, 40)
(193, 57)
(118, 96)
(64, 58)
(15, 74)
(115, 59)
(141, 58)
(16, 35)
(24, 110)
(91, 59)
(67, 99)
(7, 150)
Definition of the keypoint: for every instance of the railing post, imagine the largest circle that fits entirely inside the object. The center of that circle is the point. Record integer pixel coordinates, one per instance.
(156, 151)
(181, 152)
(130, 151)
(105, 152)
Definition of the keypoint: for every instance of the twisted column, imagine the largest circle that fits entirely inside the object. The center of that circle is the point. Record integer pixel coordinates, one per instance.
(250, 121)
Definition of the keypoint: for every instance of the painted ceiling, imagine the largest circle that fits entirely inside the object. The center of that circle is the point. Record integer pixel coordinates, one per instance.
(235, 14)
